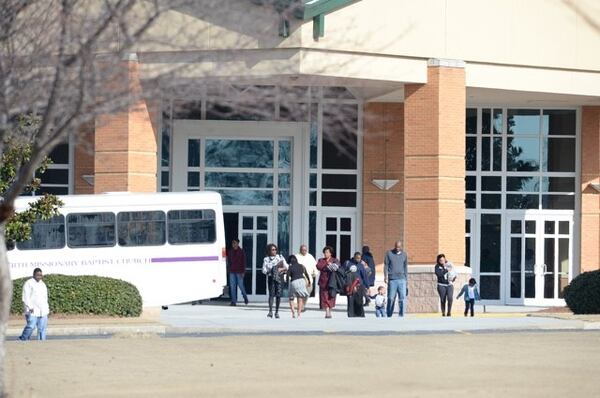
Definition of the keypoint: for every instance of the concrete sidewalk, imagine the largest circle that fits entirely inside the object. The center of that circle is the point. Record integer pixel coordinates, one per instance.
(216, 319)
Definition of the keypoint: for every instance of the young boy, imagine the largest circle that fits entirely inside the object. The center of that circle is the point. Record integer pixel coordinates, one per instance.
(380, 302)
(471, 294)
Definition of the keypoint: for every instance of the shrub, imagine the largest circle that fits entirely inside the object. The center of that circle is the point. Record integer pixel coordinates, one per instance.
(582, 295)
(85, 295)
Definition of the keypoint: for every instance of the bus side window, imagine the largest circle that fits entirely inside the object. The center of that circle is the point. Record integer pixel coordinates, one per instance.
(46, 234)
(141, 228)
(91, 230)
(191, 226)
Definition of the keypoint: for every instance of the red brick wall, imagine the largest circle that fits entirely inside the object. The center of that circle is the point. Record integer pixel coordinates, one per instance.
(84, 160)
(383, 158)
(434, 166)
(590, 198)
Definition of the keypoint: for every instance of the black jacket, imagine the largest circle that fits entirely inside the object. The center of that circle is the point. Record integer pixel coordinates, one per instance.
(337, 283)
(440, 272)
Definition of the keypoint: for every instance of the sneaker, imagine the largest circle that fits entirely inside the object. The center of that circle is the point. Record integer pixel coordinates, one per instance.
(277, 315)
(270, 315)
(232, 304)
(246, 300)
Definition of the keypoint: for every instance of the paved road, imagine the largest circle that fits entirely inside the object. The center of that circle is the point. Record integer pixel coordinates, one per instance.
(519, 364)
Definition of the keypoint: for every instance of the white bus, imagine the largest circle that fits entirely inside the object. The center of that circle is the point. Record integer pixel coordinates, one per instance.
(171, 246)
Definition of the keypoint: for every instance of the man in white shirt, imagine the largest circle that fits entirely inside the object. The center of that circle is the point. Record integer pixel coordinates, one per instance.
(35, 304)
(309, 262)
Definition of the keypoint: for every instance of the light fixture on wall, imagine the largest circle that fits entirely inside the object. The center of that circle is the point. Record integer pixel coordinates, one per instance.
(595, 186)
(384, 184)
(89, 178)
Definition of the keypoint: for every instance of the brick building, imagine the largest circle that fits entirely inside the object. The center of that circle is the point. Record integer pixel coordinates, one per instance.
(464, 127)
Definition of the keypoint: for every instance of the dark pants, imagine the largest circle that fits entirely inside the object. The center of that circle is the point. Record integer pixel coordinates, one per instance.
(355, 305)
(470, 304)
(446, 293)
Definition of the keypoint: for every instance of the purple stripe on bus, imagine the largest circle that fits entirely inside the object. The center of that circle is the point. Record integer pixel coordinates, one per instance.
(178, 259)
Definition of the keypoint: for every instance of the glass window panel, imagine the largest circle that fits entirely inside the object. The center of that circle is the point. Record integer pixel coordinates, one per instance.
(252, 198)
(486, 118)
(523, 184)
(491, 183)
(338, 181)
(338, 199)
(559, 154)
(248, 110)
(283, 198)
(497, 146)
(294, 92)
(60, 154)
(485, 153)
(314, 135)
(523, 121)
(529, 254)
(238, 180)
(490, 246)
(515, 254)
(45, 234)
(193, 153)
(285, 154)
(549, 227)
(471, 154)
(515, 226)
(261, 247)
(529, 285)
(345, 224)
(497, 121)
(312, 232)
(340, 124)
(284, 180)
(563, 227)
(91, 230)
(563, 255)
(248, 222)
(54, 176)
(345, 248)
(312, 198)
(283, 232)
(239, 153)
(142, 228)
(549, 254)
(470, 183)
(558, 122)
(490, 287)
(166, 134)
(337, 92)
(193, 180)
(515, 284)
(471, 201)
(164, 178)
(262, 223)
(522, 201)
(248, 245)
(530, 227)
(471, 121)
(491, 201)
(293, 112)
(468, 226)
(186, 109)
(191, 226)
(313, 180)
(558, 202)
(331, 224)
(467, 251)
(331, 240)
(522, 154)
(558, 184)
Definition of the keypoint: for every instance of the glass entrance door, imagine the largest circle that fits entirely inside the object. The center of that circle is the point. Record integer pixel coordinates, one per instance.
(339, 234)
(539, 252)
(255, 232)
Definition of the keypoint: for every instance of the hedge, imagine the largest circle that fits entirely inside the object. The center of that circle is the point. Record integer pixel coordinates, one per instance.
(582, 295)
(85, 295)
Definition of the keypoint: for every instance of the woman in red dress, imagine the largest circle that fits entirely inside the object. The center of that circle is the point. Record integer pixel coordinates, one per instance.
(327, 265)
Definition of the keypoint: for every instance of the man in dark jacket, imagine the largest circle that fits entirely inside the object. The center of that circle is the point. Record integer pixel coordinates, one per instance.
(395, 269)
(236, 260)
(367, 257)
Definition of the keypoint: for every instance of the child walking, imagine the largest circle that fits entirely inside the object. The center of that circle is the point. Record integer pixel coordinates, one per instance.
(471, 294)
(380, 302)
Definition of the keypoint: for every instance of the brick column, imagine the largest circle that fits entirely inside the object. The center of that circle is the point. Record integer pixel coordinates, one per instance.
(125, 142)
(383, 159)
(590, 198)
(434, 165)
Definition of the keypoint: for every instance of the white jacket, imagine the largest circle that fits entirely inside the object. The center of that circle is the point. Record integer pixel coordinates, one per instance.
(35, 298)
